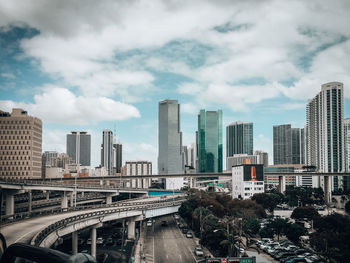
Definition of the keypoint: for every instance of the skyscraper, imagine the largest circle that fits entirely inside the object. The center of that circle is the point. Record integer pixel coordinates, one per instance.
(325, 134)
(107, 151)
(209, 141)
(20, 140)
(288, 144)
(346, 179)
(79, 147)
(239, 138)
(117, 157)
(170, 152)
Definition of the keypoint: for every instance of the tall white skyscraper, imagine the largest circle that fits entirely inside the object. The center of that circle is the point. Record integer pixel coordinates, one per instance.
(79, 147)
(325, 130)
(170, 159)
(346, 179)
(107, 151)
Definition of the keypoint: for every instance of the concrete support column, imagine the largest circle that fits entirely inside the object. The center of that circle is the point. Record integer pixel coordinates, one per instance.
(327, 189)
(48, 195)
(30, 201)
(71, 197)
(10, 203)
(82, 194)
(64, 201)
(93, 242)
(75, 242)
(131, 229)
(109, 199)
(281, 184)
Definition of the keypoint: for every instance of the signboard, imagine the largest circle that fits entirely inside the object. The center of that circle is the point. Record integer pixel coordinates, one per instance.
(254, 172)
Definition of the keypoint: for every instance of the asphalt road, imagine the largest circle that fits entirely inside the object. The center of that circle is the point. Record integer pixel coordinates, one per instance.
(167, 243)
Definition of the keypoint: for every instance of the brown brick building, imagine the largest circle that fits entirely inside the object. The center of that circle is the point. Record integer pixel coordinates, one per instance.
(20, 145)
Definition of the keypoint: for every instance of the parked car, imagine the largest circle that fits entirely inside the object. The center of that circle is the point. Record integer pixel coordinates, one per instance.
(88, 242)
(109, 241)
(99, 241)
(189, 235)
(198, 251)
(184, 230)
(297, 260)
(149, 223)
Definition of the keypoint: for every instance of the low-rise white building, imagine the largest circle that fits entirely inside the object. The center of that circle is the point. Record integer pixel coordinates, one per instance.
(138, 168)
(247, 180)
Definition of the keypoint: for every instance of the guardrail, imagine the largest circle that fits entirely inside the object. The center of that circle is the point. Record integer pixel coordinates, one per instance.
(39, 238)
(26, 215)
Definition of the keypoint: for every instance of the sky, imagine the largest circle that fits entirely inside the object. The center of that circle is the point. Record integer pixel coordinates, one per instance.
(94, 65)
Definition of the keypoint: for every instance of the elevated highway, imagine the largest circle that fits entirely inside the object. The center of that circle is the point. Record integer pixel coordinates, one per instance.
(44, 231)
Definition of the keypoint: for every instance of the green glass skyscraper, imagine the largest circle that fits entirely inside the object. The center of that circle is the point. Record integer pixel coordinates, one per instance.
(209, 141)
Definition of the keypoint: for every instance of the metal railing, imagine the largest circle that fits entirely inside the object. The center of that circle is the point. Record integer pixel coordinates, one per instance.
(39, 238)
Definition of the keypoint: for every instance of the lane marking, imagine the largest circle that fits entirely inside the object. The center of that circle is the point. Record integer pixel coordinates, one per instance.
(26, 235)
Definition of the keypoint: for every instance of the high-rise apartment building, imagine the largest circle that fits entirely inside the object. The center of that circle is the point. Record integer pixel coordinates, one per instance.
(288, 144)
(20, 145)
(170, 152)
(138, 168)
(117, 157)
(239, 138)
(209, 141)
(325, 130)
(346, 179)
(263, 157)
(192, 156)
(48, 156)
(107, 151)
(79, 147)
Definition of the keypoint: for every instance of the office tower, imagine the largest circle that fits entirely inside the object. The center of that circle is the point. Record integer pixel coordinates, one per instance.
(107, 151)
(170, 160)
(20, 145)
(138, 168)
(288, 144)
(185, 155)
(79, 147)
(118, 157)
(325, 134)
(239, 138)
(209, 141)
(346, 179)
(48, 156)
(192, 155)
(263, 157)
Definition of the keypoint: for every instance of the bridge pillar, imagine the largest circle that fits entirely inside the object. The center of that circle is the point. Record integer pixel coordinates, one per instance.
(75, 242)
(71, 197)
(109, 199)
(64, 201)
(281, 184)
(131, 229)
(93, 242)
(327, 189)
(47, 195)
(29, 201)
(10, 202)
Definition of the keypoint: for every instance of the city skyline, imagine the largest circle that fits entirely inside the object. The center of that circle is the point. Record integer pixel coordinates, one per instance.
(79, 71)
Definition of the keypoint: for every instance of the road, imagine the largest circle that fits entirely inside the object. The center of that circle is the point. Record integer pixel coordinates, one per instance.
(167, 243)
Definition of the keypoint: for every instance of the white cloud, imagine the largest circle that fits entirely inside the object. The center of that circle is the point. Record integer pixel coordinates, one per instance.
(7, 75)
(62, 106)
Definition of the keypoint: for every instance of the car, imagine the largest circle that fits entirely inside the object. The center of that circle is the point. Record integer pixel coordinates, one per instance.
(88, 242)
(198, 251)
(149, 223)
(99, 241)
(164, 223)
(284, 255)
(297, 260)
(177, 216)
(189, 235)
(184, 230)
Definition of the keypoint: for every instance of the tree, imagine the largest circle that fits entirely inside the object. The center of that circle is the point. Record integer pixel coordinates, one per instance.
(251, 226)
(347, 207)
(268, 201)
(294, 231)
(305, 212)
(278, 226)
(266, 232)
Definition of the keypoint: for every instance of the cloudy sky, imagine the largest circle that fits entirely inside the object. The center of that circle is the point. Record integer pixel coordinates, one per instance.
(92, 65)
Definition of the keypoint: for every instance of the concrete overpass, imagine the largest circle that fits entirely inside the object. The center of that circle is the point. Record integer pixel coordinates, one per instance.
(44, 231)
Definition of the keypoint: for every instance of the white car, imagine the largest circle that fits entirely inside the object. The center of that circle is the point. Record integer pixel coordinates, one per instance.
(99, 241)
(198, 252)
(149, 223)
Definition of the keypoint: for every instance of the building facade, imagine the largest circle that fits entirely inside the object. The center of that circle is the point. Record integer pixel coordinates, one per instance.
(346, 180)
(170, 151)
(239, 138)
(107, 151)
(247, 180)
(325, 131)
(138, 168)
(209, 141)
(79, 147)
(263, 156)
(288, 145)
(118, 157)
(20, 145)
(48, 157)
(239, 159)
